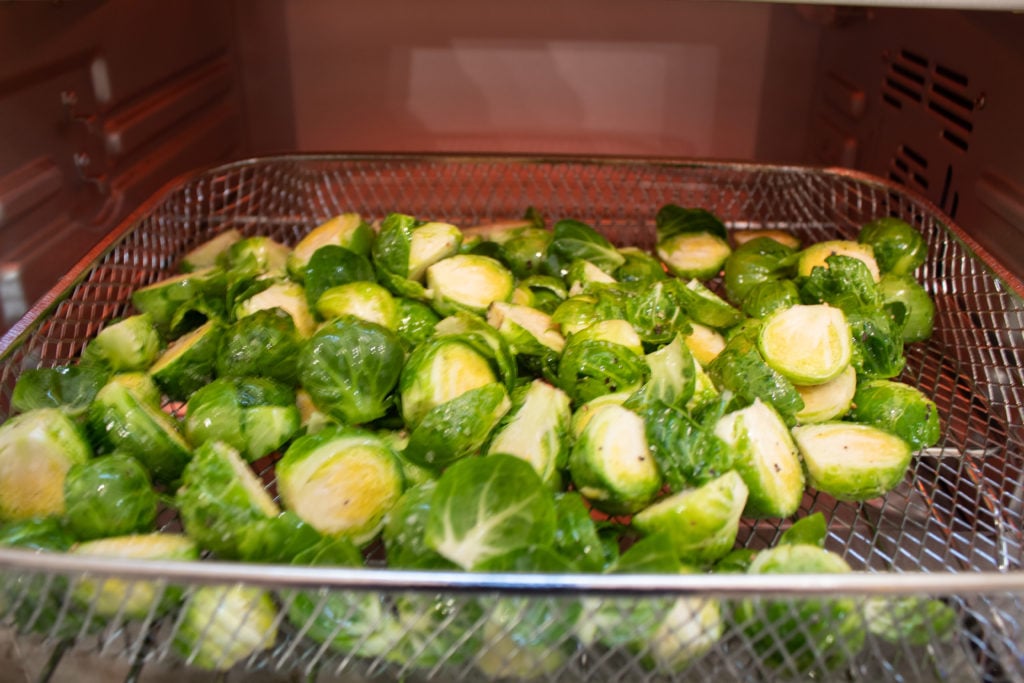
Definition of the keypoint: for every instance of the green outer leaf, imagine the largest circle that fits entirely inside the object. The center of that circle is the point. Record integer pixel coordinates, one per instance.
(739, 368)
(486, 507)
(71, 388)
(405, 531)
(809, 530)
(331, 266)
(390, 251)
(591, 368)
(457, 428)
(899, 248)
(576, 536)
(877, 344)
(575, 240)
(762, 259)
(350, 368)
(264, 344)
(188, 363)
(673, 219)
(898, 408)
(129, 344)
(109, 496)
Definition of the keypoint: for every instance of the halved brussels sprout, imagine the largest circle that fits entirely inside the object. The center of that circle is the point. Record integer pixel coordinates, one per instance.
(289, 297)
(222, 625)
(762, 259)
(852, 461)
(486, 507)
(816, 255)
(802, 636)
(468, 282)
(610, 463)
(527, 330)
(109, 496)
(457, 428)
(126, 417)
(767, 459)
(222, 502)
(130, 344)
(788, 239)
(439, 371)
(828, 401)
(37, 449)
(365, 300)
(603, 358)
(583, 274)
(258, 255)
(918, 306)
(209, 252)
(673, 376)
(333, 266)
(703, 522)
(347, 230)
(341, 480)
(189, 362)
(704, 343)
(68, 387)
(806, 344)
(430, 243)
(256, 416)
(133, 599)
(741, 369)
(350, 367)
(581, 416)
(162, 299)
(898, 247)
(694, 255)
(264, 344)
(898, 408)
(536, 429)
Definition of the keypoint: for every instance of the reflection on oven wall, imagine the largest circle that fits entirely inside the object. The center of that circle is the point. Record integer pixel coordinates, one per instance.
(111, 99)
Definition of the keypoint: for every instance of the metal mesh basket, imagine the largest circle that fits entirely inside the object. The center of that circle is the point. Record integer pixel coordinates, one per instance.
(951, 531)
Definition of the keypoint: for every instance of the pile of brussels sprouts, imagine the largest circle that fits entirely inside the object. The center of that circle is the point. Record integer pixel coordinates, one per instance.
(509, 397)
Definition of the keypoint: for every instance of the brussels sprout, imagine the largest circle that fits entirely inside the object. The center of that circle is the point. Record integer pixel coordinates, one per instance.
(707, 308)
(486, 507)
(70, 388)
(527, 330)
(576, 535)
(806, 344)
(109, 496)
(852, 461)
(918, 307)
(498, 232)
(845, 283)
(341, 480)
(703, 522)
(694, 255)
(188, 363)
(767, 459)
(332, 266)
(525, 638)
(48, 534)
(457, 428)
(264, 344)
(468, 282)
(487, 341)
(704, 343)
(536, 429)
(354, 623)
(655, 313)
(110, 597)
(125, 418)
(366, 300)
(524, 253)
(877, 344)
(673, 377)
(604, 358)
(127, 345)
(289, 297)
(221, 626)
(610, 462)
(688, 631)
(583, 275)
(804, 636)
(404, 531)
(543, 292)
(416, 321)
(898, 408)
(817, 255)
(760, 260)
(255, 255)
(222, 502)
(898, 247)
(910, 620)
(162, 299)
(429, 244)
(828, 401)
(582, 415)
(788, 239)
(350, 367)
(37, 448)
(685, 447)
(256, 416)
(741, 369)
(704, 390)
(439, 371)
(639, 267)
(769, 296)
(574, 241)
(209, 252)
(347, 230)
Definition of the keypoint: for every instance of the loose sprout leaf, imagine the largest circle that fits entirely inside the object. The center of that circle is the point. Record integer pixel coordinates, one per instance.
(334, 265)
(574, 240)
(486, 507)
(673, 219)
(70, 388)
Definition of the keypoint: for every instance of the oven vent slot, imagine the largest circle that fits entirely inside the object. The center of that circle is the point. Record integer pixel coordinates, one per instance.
(912, 79)
(909, 168)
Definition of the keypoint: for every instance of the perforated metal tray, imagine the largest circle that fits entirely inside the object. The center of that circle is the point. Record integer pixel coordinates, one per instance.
(952, 530)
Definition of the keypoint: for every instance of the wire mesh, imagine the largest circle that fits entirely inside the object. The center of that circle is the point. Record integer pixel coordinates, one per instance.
(957, 513)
